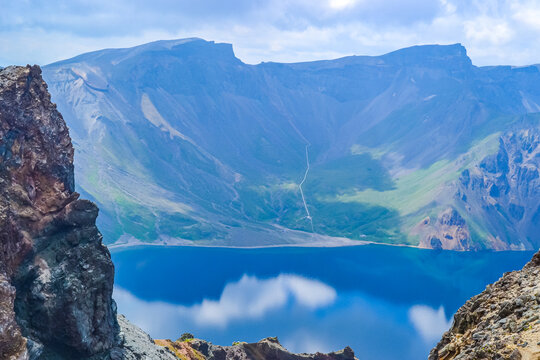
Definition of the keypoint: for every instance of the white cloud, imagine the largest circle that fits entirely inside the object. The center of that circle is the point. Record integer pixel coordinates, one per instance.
(448, 7)
(341, 4)
(429, 323)
(488, 30)
(527, 14)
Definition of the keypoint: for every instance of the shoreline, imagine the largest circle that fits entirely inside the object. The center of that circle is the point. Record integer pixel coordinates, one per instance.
(353, 243)
(128, 246)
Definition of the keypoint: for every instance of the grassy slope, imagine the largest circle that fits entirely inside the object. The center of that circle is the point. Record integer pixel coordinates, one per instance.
(422, 192)
(355, 197)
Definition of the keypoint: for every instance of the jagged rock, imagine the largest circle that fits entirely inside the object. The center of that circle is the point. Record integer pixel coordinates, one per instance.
(449, 231)
(494, 204)
(12, 344)
(136, 344)
(503, 191)
(500, 323)
(266, 349)
(56, 277)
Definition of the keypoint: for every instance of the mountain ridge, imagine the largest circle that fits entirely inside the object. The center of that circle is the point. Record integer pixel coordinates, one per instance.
(458, 48)
(213, 146)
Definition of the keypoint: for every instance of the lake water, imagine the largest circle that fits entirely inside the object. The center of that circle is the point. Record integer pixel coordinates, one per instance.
(385, 302)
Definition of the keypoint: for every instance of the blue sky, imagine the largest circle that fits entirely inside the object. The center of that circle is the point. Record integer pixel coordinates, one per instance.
(494, 32)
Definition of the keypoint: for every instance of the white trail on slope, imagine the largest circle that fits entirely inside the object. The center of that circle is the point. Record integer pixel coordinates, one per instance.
(302, 191)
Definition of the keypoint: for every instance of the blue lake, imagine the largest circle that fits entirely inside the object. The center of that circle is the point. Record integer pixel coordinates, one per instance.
(385, 302)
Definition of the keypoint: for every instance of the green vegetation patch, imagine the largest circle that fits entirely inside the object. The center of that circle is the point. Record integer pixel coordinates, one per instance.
(358, 171)
(416, 189)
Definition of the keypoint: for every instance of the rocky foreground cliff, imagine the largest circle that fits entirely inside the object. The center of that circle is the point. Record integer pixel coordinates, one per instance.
(503, 322)
(56, 276)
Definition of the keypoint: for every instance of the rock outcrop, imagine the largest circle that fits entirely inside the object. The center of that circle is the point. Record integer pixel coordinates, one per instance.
(57, 276)
(135, 344)
(503, 191)
(449, 231)
(494, 204)
(266, 349)
(503, 322)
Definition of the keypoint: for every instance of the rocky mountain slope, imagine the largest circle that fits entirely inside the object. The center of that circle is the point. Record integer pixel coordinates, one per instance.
(500, 323)
(266, 349)
(56, 276)
(503, 191)
(180, 142)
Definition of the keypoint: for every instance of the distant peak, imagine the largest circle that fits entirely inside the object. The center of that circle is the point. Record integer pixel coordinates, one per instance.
(169, 44)
(429, 54)
(189, 47)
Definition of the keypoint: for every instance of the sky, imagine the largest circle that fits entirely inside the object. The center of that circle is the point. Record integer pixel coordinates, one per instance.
(493, 31)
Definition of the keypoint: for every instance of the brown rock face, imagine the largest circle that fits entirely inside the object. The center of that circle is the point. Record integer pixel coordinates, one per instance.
(266, 349)
(449, 231)
(503, 322)
(56, 277)
(12, 344)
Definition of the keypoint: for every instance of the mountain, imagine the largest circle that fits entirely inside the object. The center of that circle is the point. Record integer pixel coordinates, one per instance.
(180, 142)
(500, 323)
(56, 276)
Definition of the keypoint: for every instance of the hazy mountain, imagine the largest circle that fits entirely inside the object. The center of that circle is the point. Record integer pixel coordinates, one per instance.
(181, 140)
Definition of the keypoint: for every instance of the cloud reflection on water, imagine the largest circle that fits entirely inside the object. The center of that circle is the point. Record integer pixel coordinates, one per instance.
(429, 323)
(247, 298)
(308, 316)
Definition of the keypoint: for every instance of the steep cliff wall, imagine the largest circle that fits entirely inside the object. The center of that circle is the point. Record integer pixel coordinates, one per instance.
(504, 190)
(57, 277)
